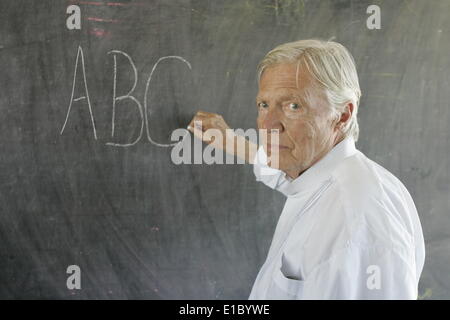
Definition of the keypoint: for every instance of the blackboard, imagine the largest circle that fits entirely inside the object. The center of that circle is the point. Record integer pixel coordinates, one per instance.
(73, 192)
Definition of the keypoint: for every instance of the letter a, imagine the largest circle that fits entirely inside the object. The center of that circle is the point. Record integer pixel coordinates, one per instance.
(374, 280)
(74, 281)
(373, 21)
(182, 147)
(80, 54)
(74, 20)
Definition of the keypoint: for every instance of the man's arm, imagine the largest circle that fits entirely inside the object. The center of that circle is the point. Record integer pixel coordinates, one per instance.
(238, 146)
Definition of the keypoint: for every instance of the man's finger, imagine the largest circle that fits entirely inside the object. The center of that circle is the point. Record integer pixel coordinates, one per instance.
(195, 119)
(197, 125)
(204, 113)
(198, 133)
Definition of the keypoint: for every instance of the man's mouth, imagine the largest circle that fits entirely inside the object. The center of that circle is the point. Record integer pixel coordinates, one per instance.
(276, 147)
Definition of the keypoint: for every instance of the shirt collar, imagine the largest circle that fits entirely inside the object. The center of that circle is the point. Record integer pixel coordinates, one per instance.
(320, 171)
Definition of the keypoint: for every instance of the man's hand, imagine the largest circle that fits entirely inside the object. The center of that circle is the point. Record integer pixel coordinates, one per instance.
(204, 121)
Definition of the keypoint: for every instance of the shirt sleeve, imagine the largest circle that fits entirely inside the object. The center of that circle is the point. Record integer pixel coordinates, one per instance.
(273, 178)
(364, 273)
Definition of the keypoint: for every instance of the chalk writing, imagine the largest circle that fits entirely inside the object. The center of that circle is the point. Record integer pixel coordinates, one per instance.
(130, 95)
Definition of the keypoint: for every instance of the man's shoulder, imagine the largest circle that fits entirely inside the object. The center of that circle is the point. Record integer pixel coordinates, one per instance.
(363, 181)
(364, 205)
(368, 203)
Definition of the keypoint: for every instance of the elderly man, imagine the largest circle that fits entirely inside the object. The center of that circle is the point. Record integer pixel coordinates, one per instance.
(349, 228)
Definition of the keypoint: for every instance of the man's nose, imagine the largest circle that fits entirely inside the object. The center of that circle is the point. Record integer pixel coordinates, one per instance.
(272, 121)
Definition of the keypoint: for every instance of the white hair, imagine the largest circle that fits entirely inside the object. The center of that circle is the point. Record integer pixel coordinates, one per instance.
(333, 68)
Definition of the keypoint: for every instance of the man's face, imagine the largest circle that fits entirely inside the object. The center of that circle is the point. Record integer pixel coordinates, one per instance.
(300, 113)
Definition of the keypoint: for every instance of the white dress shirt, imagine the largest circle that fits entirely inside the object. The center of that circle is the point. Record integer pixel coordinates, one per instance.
(349, 230)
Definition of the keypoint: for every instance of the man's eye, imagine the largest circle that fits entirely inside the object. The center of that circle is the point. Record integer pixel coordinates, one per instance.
(262, 105)
(294, 106)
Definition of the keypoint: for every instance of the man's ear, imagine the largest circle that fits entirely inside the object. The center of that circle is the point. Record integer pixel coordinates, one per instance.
(346, 115)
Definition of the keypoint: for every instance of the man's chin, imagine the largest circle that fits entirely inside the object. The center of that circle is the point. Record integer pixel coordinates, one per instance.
(275, 160)
(291, 171)
(278, 165)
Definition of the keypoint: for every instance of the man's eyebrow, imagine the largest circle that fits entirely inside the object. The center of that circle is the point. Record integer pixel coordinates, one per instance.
(290, 95)
(287, 95)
